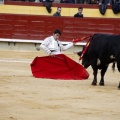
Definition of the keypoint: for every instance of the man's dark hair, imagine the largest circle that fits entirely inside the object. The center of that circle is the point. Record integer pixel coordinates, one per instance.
(80, 8)
(57, 31)
(58, 8)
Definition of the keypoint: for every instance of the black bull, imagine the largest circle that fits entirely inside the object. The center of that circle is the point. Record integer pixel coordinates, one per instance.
(102, 50)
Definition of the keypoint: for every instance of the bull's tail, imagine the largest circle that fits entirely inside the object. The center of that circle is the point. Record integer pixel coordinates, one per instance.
(113, 66)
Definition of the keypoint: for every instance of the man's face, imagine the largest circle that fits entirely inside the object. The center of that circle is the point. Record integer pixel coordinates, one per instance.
(80, 10)
(59, 10)
(56, 36)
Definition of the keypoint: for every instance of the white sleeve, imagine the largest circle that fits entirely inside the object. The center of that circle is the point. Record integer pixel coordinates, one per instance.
(69, 45)
(44, 46)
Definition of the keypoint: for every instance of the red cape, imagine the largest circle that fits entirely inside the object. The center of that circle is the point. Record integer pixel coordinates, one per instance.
(58, 67)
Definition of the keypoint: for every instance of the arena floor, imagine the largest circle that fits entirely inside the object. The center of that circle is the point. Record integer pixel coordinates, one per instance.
(23, 97)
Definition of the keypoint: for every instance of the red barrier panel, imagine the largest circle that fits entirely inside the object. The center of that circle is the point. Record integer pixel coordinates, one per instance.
(35, 27)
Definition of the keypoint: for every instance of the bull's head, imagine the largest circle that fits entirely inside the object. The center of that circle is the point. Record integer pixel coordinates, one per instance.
(83, 54)
(85, 59)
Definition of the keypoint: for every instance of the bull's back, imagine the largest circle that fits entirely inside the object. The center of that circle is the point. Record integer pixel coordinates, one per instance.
(104, 42)
(97, 43)
(102, 46)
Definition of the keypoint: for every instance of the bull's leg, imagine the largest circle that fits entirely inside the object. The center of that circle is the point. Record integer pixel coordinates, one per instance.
(119, 86)
(95, 71)
(103, 71)
(118, 66)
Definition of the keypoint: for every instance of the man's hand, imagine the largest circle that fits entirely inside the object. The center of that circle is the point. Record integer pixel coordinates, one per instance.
(38, 48)
(52, 54)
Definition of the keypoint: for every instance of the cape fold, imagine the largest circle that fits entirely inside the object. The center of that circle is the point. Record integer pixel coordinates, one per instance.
(59, 67)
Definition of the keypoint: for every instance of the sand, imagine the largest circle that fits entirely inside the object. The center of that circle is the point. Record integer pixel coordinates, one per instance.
(23, 97)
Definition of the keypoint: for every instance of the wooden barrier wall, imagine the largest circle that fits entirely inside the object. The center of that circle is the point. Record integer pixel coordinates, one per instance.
(33, 27)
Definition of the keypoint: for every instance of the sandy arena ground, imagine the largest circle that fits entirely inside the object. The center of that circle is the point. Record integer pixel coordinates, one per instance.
(23, 97)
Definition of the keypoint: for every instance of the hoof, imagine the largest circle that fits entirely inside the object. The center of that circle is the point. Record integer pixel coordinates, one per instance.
(38, 48)
(101, 84)
(94, 83)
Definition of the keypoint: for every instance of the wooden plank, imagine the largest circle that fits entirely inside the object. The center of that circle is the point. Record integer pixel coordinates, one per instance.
(38, 27)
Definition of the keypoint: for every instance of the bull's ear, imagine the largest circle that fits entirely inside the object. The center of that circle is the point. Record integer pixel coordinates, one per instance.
(79, 53)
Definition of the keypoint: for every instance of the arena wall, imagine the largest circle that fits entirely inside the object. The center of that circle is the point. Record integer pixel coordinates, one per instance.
(27, 24)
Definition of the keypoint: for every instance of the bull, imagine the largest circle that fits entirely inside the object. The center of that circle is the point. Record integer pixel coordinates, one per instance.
(102, 50)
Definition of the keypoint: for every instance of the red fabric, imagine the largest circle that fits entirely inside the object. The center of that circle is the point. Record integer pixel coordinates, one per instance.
(76, 40)
(81, 39)
(85, 49)
(58, 67)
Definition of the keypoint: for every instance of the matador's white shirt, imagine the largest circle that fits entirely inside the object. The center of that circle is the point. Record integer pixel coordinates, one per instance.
(50, 45)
